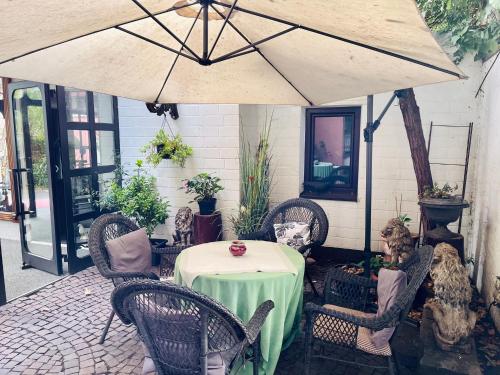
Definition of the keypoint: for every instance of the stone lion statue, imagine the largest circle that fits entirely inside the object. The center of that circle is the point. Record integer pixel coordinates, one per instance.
(183, 226)
(398, 241)
(453, 321)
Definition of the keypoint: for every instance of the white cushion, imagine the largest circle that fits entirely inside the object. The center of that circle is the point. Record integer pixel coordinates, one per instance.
(294, 234)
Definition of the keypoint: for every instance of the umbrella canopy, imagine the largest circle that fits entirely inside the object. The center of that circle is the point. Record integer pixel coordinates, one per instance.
(222, 51)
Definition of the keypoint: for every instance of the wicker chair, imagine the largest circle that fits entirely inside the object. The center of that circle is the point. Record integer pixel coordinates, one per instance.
(300, 210)
(104, 228)
(182, 329)
(338, 330)
(168, 256)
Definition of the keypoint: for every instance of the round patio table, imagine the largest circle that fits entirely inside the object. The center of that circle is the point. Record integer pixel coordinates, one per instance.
(242, 293)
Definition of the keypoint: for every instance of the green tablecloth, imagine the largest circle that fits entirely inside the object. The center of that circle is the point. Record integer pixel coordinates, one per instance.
(243, 293)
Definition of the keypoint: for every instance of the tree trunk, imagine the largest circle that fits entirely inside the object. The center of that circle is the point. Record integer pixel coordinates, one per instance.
(418, 149)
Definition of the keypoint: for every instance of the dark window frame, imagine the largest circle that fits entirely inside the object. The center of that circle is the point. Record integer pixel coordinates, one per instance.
(337, 192)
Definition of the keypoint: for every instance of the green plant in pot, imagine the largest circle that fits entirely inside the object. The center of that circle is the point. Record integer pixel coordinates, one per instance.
(137, 198)
(163, 146)
(442, 207)
(204, 186)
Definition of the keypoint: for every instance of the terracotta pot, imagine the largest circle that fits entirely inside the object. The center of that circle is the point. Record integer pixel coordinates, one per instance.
(237, 248)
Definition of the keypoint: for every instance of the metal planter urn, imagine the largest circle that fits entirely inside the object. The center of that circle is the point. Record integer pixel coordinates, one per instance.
(441, 212)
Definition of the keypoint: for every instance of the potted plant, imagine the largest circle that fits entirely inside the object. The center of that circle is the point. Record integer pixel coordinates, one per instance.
(137, 198)
(163, 146)
(205, 187)
(440, 206)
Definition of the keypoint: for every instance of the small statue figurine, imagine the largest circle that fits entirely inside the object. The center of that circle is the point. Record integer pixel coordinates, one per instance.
(398, 242)
(183, 227)
(453, 321)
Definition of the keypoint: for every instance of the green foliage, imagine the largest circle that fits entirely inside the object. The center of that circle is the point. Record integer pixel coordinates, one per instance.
(163, 146)
(40, 172)
(376, 263)
(441, 193)
(473, 26)
(203, 185)
(405, 219)
(137, 199)
(255, 185)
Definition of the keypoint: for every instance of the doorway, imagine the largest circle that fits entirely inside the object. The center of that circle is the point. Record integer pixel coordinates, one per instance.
(66, 145)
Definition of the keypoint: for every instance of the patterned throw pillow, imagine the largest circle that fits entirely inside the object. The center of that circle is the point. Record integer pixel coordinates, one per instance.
(294, 234)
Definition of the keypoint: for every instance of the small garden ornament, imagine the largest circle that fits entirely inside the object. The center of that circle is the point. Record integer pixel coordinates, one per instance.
(397, 240)
(453, 320)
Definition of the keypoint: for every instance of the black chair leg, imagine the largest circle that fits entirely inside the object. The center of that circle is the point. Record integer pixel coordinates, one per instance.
(393, 365)
(312, 284)
(106, 329)
(256, 357)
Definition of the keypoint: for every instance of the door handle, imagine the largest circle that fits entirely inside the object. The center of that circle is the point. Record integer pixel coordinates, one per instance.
(20, 170)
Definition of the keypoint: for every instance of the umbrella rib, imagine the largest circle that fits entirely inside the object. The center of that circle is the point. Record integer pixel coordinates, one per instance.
(236, 52)
(92, 33)
(177, 57)
(164, 27)
(156, 43)
(263, 56)
(342, 39)
(222, 29)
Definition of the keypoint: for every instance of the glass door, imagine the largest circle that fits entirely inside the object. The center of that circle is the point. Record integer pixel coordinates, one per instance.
(34, 174)
(89, 154)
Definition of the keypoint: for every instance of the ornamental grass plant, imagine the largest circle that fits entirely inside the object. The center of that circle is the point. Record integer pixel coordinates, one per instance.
(255, 184)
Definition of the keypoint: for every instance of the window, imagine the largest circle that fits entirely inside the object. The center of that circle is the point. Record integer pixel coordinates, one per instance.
(332, 153)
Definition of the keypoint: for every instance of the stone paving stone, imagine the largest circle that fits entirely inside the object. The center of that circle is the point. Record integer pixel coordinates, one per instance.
(56, 331)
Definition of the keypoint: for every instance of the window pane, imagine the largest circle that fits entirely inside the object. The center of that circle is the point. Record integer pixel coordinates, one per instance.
(81, 231)
(81, 192)
(332, 149)
(105, 180)
(105, 143)
(76, 105)
(79, 149)
(103, 108)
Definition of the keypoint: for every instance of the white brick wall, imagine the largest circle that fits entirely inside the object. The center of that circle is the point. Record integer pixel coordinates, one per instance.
(212, 131)
(449, 103)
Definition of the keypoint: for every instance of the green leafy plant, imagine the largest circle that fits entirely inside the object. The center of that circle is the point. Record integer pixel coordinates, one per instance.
(376, 263)
(404, 218)
(163, 146)
(472, 25)
(444, 192)
(255, 184)
(203, 185)
(138, 199)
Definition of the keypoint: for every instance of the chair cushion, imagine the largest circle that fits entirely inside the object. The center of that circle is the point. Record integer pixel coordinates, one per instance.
(391, 283)
(130, 252)
(294, 234)
(363, 339)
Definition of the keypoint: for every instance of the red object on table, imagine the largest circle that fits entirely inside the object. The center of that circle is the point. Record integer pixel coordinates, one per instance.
(237, 248)
(207, 228)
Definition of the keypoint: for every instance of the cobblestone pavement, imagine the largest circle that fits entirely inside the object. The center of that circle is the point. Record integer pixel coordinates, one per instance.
(56, 331)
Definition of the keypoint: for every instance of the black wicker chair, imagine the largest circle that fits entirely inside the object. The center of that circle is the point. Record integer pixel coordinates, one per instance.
(105, 228)
(168, 256)
(336, 332)
(300, 210)
(182, 328)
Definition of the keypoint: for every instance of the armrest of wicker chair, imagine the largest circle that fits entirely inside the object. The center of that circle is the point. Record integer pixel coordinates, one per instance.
(126, 276)
(306, 249)
(375, 323)
(255, 324)
(346, 289)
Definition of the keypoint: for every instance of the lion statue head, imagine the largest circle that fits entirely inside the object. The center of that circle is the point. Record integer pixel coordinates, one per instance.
(453, 320)
(398, 240)
(451, 282)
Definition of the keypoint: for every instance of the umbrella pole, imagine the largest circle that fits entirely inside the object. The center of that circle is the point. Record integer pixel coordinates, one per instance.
(371, 126)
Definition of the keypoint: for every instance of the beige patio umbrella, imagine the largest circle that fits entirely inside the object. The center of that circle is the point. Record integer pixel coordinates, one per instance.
(302, 52)
(307, 52)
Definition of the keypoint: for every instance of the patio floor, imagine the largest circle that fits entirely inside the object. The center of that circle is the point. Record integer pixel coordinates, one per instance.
(57, 329)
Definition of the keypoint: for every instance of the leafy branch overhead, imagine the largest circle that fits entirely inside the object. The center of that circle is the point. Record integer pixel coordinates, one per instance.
(473, 26)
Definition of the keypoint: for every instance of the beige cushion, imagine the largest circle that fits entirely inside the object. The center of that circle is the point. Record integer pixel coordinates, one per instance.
(130, 252)
(294, 234)
(324, 329)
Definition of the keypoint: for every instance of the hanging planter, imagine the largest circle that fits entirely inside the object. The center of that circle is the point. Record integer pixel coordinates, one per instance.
(163, 146)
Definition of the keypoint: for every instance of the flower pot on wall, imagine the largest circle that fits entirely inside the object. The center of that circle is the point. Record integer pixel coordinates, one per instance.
(159, 150)
(207, 206)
